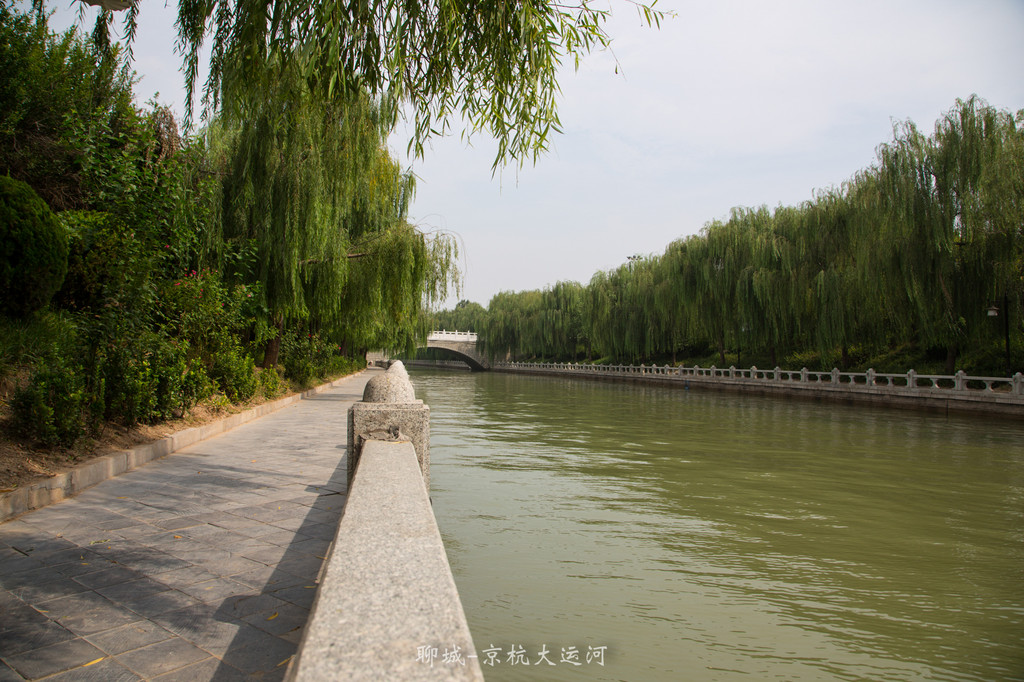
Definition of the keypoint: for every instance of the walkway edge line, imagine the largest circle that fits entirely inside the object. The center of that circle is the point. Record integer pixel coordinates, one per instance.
(87, 474)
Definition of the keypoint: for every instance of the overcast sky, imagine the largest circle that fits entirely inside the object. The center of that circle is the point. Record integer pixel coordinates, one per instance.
(730, 103)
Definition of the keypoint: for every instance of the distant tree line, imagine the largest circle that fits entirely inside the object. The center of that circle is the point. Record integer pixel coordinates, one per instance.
(918, 259)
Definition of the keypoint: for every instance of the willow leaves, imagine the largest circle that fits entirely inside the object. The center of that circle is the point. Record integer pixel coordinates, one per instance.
(914, 251)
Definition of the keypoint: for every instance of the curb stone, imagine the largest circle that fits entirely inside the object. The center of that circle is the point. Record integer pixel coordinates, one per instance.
(87, 474)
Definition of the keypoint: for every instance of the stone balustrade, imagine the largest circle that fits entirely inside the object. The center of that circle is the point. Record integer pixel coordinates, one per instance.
(444, 335)
(445, 364)
(957, 391)
(387, 607)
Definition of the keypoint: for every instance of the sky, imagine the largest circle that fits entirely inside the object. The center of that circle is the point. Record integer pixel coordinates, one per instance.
(730, 103)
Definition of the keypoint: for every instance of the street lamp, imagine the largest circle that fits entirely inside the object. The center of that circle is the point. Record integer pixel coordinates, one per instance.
(993, 311)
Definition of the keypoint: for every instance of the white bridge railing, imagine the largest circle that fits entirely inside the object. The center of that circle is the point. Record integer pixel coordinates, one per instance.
(959, 384)
(444, 335)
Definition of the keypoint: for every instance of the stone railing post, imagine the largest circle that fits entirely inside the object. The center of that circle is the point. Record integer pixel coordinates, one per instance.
(1018, 384)
(959, 381)
(869, 377)
(835, 376)
(911, 380)
(389, 411)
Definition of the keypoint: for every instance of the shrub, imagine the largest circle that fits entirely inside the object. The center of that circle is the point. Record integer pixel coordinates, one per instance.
(196, 385)
(23, 341)
(307, 357)
(53, 408)
(106, 264)
(33, 250)
(235, 373)
(130, 394)
(297, 358)
(59, 100)
(270, 384)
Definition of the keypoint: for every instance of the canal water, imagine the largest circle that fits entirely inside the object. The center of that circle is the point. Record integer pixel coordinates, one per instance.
(601, 531)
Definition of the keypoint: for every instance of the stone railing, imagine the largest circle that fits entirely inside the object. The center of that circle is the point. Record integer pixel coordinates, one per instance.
(444, 335)
(446, 364)
(387, 607)
(967, 391)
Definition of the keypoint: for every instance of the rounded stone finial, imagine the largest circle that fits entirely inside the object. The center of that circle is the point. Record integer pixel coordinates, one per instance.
(397, 367)
(393, 386)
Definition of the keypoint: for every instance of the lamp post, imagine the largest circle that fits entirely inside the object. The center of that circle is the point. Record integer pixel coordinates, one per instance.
(993, 311)
(1006, 331)
(739, 346)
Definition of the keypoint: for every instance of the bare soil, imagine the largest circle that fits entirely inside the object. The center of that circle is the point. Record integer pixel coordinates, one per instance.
(22, 464)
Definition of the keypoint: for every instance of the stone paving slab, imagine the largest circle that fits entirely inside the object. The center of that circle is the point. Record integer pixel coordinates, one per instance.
(199, 566)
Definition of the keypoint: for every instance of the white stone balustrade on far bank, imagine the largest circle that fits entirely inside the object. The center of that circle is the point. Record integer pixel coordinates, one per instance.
(957, 392)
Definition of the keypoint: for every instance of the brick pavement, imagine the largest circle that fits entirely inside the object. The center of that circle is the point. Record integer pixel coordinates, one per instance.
(199, 566)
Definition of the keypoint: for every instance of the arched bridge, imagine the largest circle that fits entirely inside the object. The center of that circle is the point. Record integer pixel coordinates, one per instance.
(462, 344)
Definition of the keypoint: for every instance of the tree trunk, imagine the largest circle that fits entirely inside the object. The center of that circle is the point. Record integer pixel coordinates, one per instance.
(951, 358)
(844, 358)
(721, 348)
(273, 348)
(775, 362)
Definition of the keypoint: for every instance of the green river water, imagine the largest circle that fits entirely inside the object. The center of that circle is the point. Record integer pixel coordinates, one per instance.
(666, 534)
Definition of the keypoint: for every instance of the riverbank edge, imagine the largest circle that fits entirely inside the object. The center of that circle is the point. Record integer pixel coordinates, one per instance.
(923, 400)
(87, 474)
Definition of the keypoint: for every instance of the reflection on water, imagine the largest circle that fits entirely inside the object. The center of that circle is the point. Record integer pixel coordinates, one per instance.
(711, 536)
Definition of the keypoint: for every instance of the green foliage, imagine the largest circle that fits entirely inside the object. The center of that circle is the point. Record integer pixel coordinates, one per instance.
(24, 342)
(270, 383)
(205, 318)
(307, 357)
(33, 250)
(130, 384)
(467, 316)
(107, 265)
(196, 385)
(311, 186)
(235, 373)
(391, 286)
(909, 254)
(201, 310)
(61, 100)
(187, 255)
(53, 409)
(180, 383)
(492, 65)
(151, 379)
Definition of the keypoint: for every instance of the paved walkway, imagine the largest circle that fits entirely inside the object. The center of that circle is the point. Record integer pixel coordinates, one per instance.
(199, 566)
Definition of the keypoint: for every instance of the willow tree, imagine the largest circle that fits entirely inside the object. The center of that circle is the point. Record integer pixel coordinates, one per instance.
(943, 251)
(842, 310)
(394, 282)
(310, 186)
(492, 65)
(775, 301)
(559, 321)
(466, 316)
(998, 206)
(672, 306)
(724, 265)
(980, 183)
(619, 307)
(506, 329)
